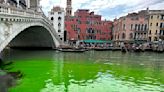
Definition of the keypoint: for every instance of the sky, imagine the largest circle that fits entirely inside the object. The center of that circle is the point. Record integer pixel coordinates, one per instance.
(109, 9)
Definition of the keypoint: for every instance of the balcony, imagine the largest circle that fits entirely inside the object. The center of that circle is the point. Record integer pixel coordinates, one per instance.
(161, 28)
(161, 34)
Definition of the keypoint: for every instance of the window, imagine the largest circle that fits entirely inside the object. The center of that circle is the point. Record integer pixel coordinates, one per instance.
(87, 22)
(155, 38)
(79, 22)
(161, 32)
(52, 18)
(135, 27)
(78, 36)
(149, 38)
(123, 35)
(150, 32)
(59, 25)
(162, 17)
(78, 30)
(142, 27)
(156, 24)
(158, 17)
(59, 18)
(59, 13)
(79, 16)
(72, 27)
(145, 27)
(59, 31)
(150, 24)
(52, 13)
(156, 32)
(151, 17)
(131, 35)
(124, 27)
(131, 26)
(1, 19)
(161, 25)
(139, 27)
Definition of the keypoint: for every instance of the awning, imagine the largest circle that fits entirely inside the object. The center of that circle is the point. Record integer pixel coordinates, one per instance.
(96, 41)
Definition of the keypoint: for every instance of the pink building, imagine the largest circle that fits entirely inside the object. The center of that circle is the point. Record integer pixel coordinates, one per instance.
(131, 28)
(85, 25)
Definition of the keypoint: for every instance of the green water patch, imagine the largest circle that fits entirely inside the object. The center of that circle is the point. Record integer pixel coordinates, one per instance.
(50, 71)
(35, 72)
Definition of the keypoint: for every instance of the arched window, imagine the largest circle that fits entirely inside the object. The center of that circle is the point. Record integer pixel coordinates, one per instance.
(59, 31)
(150, 32)
(149, 38)
(131, 36)
(52, 18)
(59, 18)
(142, 27)
(59, 24)
(156, 24)
(123, 35)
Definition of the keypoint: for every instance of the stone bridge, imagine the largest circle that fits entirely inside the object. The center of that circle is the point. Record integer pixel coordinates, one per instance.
(26, 28)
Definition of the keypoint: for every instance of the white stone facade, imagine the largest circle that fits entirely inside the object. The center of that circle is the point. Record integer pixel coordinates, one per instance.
(56, 16)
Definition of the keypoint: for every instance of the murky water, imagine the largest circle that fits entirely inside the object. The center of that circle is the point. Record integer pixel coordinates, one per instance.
(92, 71)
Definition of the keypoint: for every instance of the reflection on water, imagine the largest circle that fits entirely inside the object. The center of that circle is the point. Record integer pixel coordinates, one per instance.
(52, 71)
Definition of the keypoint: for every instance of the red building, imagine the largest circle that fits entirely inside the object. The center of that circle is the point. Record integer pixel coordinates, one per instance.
(85, 25)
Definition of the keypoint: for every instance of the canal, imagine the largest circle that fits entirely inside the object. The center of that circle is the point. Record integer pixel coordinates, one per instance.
(92, 71)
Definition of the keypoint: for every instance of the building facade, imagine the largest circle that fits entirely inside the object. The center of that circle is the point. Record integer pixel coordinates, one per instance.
(131, 28)
(57, 17)
(85, 25)
(156, 25)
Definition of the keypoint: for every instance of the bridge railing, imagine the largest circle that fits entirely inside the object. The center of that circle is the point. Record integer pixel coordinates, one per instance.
(10, 10)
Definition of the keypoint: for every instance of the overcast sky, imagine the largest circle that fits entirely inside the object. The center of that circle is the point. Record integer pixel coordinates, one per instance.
(109, 9)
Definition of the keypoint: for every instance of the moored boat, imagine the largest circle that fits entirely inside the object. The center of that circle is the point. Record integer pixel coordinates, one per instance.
(102, 49)
(72, 50)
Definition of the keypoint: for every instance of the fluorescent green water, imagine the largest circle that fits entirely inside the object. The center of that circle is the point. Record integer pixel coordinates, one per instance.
(51, 71)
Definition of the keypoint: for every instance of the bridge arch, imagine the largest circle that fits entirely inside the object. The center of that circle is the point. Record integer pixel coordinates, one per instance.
(41, 35)
(34, 36)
